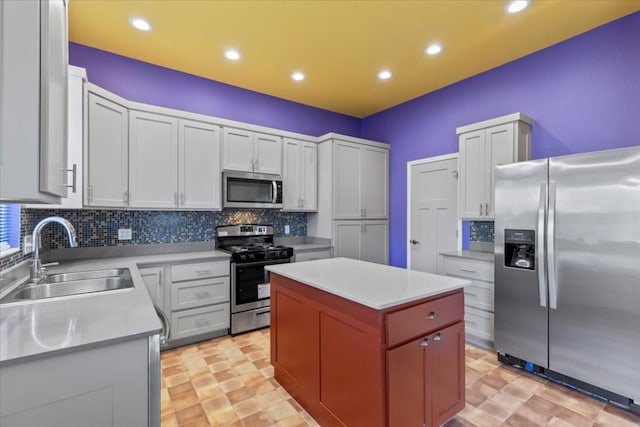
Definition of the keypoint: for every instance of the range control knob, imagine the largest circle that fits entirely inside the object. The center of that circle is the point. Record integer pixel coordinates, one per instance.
(252, 256)
(243, 257)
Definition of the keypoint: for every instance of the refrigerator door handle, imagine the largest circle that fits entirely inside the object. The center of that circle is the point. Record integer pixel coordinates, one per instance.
(551, 243)
(542, 209)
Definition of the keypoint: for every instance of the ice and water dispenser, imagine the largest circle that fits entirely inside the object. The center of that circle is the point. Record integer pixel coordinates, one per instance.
(520, 248)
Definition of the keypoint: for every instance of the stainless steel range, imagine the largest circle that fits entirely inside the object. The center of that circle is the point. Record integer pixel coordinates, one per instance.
(251, 247)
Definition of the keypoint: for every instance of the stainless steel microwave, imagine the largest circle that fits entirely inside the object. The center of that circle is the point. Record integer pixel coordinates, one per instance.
(251, 190)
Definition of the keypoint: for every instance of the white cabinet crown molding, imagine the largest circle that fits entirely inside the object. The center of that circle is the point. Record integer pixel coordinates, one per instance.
(509, 118)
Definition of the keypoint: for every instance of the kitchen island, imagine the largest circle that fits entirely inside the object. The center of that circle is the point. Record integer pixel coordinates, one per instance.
(363, 344)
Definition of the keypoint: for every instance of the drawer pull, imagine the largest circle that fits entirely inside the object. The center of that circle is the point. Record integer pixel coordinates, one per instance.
(202, 323)
(438, 337)
(425, 342)
(203, 272)
(202, 295)
(468, 270)
(470, 293)
(470, 322)
(431, 316)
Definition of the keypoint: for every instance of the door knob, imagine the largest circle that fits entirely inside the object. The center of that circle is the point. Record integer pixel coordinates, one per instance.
(413, 242)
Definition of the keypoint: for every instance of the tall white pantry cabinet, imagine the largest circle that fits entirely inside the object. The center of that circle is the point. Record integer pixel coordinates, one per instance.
(353, 197)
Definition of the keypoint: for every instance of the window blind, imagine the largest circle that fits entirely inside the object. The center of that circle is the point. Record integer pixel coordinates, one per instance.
(9, 226)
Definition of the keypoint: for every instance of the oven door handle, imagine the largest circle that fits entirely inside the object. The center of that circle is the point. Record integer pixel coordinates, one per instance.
(258, 263)
(267, 311)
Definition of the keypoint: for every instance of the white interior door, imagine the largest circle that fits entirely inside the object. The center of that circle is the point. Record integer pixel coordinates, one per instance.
(433, 211)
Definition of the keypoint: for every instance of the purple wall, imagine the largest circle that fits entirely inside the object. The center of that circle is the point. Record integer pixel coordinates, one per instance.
(151, 84)
(583, 95)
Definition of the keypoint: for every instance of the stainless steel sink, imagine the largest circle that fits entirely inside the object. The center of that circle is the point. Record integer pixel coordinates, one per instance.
(75, 283)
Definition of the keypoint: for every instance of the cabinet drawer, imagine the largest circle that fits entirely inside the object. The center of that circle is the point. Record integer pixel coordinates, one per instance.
(479, 295)
(199, 270)
(199, 292)
(469, 268)
(478, 323)
(199, 320)
(311, 255)
(424, 318)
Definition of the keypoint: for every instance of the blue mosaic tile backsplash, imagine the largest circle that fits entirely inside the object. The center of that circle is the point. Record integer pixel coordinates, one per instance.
(481, 231)
(97, 228)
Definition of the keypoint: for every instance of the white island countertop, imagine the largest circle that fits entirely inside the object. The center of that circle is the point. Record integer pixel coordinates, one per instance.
(375, 285)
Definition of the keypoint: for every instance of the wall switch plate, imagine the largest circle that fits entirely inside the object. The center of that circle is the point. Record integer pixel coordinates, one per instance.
(287, 229)
(124, 234)
(28, 245)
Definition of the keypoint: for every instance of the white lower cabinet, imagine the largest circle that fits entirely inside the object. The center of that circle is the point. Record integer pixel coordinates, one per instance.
(198, 321)
(478, 297)
(311, 255)
(364, 240)
(103, 386)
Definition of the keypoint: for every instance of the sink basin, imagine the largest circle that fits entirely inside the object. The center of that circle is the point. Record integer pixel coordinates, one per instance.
(76, 283)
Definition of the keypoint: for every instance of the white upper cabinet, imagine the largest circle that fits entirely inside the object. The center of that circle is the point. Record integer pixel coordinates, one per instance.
(153, 166)
(483, 146)
(248, 151)
(199, 165)
(33, 105)
(300, 175)
(106, 153)
(360, 187)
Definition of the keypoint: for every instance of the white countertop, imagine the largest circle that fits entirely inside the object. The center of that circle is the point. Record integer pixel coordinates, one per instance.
(39, 328)
(374, 285)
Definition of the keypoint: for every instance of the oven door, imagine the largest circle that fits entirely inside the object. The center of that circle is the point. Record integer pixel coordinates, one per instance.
(250, 285)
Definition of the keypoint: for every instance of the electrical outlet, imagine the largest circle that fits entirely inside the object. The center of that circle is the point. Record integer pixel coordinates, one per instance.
(287, 229)
(28, 245)
(124, 234)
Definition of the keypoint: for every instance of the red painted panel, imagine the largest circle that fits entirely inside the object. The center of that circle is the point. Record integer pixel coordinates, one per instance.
(405, 384)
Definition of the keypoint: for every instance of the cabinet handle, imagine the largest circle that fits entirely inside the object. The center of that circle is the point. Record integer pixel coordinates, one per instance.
(431, 316)
(257, 165)
(74, 172)
(125, 197)
(89, 193)
(470, 293)
(438, 337)
(486, 209)
(468, 270)
(425, 342)
(201, 295)
(365, 212)
(201, 323)
(175, 198)
(470, 321)
(181, 199)
(202, 272)
(480, 213)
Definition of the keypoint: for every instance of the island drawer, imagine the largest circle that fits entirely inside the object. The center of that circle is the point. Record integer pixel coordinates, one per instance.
(424, 318)
(469, 268)
(199, 320)
(199, 270)
(197, 293)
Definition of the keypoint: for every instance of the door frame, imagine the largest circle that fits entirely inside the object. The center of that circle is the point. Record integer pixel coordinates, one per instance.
(417, 162)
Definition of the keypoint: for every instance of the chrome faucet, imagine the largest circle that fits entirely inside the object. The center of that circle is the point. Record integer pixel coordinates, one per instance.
(37, 270)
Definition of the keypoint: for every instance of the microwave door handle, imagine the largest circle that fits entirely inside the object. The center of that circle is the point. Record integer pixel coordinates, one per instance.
(274, 192)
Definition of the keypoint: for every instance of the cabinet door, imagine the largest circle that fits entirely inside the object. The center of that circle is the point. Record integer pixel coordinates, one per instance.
(267, 154)
(405, 379)
(309, 176)
(153, 170)
(472, 175)
(347, 184)
(375, 241)
(291, 173)
(499, 151)
(237, 149)
(444, 373)
(375, 181)
(107, 156)
(347, 237)
(199, 165)
(153, 280)
(53, 97)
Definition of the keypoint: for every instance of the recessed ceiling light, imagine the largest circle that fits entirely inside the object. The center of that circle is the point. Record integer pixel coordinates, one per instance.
(232, 54)
(384, 74)
(140, 24)
(515, 6)
(433, 49)
(297, 76)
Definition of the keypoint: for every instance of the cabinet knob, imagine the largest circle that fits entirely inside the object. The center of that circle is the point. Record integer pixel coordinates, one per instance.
(438, 337)
(425, 342)
(431, 316)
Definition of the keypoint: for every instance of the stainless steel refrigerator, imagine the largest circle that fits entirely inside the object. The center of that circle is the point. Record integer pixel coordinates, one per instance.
(567, 270)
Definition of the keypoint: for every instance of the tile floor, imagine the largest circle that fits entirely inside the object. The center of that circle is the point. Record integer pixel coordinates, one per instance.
(229, 382)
